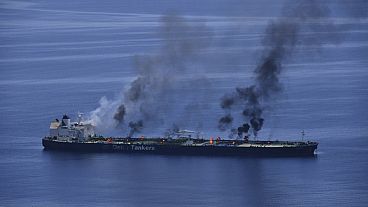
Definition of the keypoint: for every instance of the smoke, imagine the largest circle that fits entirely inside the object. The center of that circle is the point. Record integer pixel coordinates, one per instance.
(243, 129)
(152, 95)
(120, 113)
(135, 127)
(282, 37)
(155, 97)
(225, 121)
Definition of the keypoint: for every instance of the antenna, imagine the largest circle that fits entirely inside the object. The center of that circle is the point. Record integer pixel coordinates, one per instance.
(303, 134)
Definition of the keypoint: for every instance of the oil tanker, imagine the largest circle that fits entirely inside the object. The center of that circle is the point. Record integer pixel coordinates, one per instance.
(80, 137)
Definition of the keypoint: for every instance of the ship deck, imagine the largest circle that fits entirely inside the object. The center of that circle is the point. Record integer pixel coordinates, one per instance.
(186, 142)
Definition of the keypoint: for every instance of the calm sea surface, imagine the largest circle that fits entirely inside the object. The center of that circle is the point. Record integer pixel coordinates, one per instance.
(61, 57)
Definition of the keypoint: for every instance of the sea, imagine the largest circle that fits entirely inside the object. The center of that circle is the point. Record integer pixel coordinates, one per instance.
(62, 57)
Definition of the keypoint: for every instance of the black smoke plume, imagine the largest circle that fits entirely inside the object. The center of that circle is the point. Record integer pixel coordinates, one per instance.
(256, 124)
(243, 129)
(135, 127)
(281, 38)
(150, 98)
(225, 122)
(120, 113)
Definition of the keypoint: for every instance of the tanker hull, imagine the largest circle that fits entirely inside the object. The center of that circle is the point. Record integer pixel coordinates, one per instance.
(249, 149)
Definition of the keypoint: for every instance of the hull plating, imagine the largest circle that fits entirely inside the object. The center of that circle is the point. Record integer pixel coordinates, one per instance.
(209, 150)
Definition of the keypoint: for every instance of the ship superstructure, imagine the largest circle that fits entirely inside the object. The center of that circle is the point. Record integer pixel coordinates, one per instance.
(65, 130)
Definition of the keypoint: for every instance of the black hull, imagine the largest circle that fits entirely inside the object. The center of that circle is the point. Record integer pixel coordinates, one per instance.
(212, 150)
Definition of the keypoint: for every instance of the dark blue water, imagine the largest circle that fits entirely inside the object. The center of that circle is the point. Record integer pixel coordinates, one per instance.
(62, 57)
